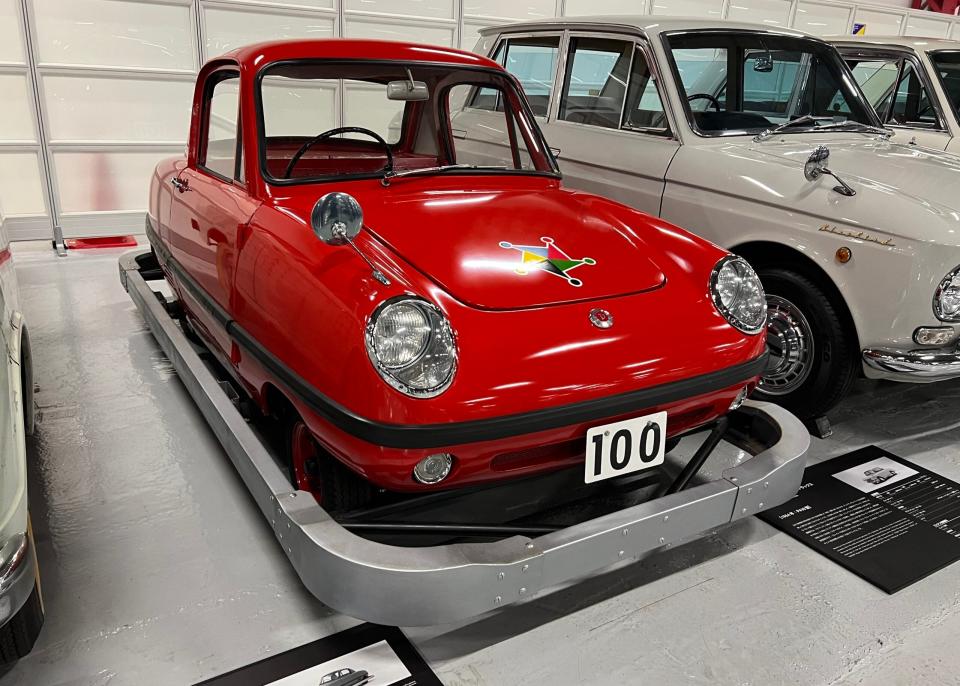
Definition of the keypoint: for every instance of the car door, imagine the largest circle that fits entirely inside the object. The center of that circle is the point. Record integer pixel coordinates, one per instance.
(213, 204)
(609, 122)
(897, 87)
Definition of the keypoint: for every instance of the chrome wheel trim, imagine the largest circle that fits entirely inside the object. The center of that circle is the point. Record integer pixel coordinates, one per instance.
(791, 347)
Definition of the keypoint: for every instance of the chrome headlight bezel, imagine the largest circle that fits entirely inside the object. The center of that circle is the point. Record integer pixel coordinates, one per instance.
(441, 333)
(945, 283)
(734, 319)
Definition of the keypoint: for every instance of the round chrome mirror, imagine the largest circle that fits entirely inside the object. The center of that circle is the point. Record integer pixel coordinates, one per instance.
(336, 218)
(815, 164)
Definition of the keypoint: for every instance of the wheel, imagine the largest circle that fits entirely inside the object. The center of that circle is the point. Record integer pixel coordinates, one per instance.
(813, 359)
(312, 469)
(26, 384)
(19, 634)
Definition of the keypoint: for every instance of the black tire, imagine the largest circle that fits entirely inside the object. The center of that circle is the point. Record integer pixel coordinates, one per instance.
(19, 634)
(26, 384)
(338, 488)
(831, 362)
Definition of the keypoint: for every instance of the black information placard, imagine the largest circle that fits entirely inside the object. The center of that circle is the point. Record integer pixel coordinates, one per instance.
(367, 653)
(885, 519)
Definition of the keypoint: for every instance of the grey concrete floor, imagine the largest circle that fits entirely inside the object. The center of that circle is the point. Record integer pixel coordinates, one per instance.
(157, 567)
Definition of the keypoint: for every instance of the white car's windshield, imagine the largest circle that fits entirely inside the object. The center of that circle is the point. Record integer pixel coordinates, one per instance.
(947, 64)
(745, 82)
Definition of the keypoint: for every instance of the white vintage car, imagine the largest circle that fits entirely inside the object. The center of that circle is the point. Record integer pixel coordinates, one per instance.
(912, 83)
(21, 605)
(760, 140)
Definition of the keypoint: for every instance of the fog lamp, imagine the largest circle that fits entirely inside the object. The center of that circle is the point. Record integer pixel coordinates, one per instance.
(933, 335)
(433, 468)
(738, 401)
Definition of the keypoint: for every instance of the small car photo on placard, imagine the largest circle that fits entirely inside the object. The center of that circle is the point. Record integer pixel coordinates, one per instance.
(375, 664)
(870, 476)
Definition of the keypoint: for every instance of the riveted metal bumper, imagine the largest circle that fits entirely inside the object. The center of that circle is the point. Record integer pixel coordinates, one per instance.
(434, 585)
(917, 365)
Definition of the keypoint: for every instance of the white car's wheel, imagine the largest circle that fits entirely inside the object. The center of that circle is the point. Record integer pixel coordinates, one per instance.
(813, 356)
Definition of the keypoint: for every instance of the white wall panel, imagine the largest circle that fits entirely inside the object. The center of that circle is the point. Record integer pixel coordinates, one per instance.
(114, 33)
(16, 115)
(226, 29)
(928, 28)
(151, 110)
(306, 4)
(298, 108)
(435, 9)
(770, 12)
(712, 9)
(21, 184)
(574, 8)
(511, 9)
(11, 42)
(358, 26)
(104, 181)
(822, 19)
(879, 23)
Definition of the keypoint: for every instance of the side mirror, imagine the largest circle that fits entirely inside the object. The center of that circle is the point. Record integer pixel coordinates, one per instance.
(336, 218)
(816, 163)
(407, 91)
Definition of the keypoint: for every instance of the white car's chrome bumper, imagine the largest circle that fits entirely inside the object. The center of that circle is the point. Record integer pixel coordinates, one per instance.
(921, 365)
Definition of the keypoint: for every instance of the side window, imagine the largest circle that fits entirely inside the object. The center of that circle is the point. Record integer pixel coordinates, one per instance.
(595, 85)
(533, 61)
(220, 135)
(644, 110)
(876, 78)
(911, 105)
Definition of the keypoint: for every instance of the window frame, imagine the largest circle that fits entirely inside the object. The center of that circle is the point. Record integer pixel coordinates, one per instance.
(639, 43)
(955, 109)
(503, 41)
(212, 80)
(902, 56)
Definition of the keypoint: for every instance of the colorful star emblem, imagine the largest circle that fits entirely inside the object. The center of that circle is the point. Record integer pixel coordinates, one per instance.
(549, 258)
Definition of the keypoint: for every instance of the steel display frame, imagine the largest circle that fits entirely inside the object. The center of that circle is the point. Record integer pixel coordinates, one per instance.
(440, 584)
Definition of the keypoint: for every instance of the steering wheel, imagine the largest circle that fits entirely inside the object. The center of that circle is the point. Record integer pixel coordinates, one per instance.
(705, 96)
(334, 132)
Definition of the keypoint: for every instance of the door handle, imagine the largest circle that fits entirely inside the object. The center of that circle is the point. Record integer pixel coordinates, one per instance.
(181, 185)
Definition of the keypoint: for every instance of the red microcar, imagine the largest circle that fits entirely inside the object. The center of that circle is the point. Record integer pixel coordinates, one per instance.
(413, 293)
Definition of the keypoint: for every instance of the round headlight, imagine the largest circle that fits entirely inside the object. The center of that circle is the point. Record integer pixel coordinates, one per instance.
(946, 299)
(411, 345)
(738, 294)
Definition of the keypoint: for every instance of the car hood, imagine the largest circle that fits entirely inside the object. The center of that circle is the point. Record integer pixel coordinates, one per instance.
(518, 248)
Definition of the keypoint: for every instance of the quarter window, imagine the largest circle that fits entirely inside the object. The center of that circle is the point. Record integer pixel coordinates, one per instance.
(644, 110)
(596, 81)
(220, 138)
(534, 62)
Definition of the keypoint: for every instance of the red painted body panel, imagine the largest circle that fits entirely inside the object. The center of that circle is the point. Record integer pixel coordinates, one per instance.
(525, 342)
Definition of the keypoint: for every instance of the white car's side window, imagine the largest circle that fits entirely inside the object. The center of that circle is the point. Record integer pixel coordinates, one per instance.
(533, 60)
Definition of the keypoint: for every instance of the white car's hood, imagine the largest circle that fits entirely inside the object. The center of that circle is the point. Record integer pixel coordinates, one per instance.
(902, 190)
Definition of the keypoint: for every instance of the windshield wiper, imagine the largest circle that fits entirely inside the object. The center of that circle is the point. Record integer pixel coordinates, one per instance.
(390, 175)
(814, 122)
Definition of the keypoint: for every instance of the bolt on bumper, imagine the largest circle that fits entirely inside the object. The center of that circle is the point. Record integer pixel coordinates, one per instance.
(435, 585)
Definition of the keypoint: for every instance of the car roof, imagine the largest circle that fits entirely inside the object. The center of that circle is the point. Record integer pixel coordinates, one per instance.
(259, 55)
(918, 43)
(646, 24)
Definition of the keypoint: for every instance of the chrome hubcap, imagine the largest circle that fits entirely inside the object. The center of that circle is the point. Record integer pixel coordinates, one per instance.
(790, 342)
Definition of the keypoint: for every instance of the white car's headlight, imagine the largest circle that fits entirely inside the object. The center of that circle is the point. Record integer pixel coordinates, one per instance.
(412, 346)
(946, 299)
(738, 294)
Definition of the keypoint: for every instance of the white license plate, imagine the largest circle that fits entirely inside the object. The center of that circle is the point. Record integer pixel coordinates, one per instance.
(625, 447)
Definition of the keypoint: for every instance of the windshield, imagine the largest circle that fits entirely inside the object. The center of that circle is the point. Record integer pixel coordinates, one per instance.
(432, 131)
(947, 64)
(743, 82)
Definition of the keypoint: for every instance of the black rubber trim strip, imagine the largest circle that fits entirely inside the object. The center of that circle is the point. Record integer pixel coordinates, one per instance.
(455, 433)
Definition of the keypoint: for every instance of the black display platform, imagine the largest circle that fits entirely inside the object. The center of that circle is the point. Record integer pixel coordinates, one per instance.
(885, 519)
